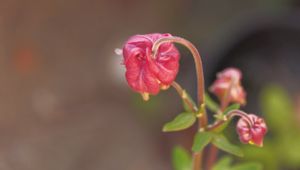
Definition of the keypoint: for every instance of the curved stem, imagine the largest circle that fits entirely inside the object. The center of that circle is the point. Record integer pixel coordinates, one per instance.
(197, 157)
(230, 115)
(241, 114)
(196, 56)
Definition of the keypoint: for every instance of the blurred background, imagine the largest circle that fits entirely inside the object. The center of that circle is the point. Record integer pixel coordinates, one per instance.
(64, 103)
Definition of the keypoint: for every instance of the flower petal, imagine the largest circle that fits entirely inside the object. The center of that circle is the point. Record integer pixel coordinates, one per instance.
(146, 73)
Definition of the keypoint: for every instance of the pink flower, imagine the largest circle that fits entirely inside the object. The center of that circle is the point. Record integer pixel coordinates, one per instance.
(252, 130)
(228, 86)
(145, 73)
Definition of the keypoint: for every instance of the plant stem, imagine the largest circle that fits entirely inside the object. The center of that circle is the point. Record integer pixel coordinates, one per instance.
(213, 150)
(197, 160)
(196, 56)
(184, 96)
(230, 115)
(241, 114)
(212, 156)
(202, 119)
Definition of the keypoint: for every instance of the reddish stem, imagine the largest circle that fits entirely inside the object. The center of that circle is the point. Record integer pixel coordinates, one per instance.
(230, 115)
(212, 156)
(213, 150)
(202, 119)
(196, 56)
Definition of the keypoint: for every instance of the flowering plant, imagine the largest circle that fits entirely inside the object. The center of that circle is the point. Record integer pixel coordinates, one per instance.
(152, 63)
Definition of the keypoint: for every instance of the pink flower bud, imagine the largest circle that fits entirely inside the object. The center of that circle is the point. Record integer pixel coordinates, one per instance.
(145, 73)
(228, 86)
(252, 129)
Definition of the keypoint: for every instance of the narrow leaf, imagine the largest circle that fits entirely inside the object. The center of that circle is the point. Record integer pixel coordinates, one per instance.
(222, 143)
(201, 140)
(223, 164)
(181, 159)
(221, 127)
(211, 104)
(248, 166)
(182, 121)
(231, 107)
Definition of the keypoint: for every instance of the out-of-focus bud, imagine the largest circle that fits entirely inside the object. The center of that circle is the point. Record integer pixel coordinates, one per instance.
(228, 86)
(251, 129)
(145, 73)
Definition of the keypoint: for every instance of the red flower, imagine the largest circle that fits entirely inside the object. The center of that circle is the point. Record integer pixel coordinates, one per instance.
(146, 73)
(228, 86)
(252, 130)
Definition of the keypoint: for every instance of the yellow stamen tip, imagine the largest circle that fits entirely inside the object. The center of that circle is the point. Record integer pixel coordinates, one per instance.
(145, 96)
(164, 87)
(251, 142)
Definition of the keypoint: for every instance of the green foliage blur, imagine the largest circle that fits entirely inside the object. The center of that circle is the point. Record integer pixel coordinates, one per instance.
(225, 163)
(282, 145)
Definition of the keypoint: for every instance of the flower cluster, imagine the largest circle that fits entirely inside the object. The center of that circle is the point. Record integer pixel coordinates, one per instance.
(250, 128)
(147, 72)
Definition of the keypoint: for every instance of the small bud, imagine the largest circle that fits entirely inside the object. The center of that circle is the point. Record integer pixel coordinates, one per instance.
(251, 130)
(145, 73)
(228, 86)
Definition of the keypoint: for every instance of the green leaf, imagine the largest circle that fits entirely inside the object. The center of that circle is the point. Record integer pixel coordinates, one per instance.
(211, 104)
(222, 143)
(248, 166)
(231, 107)
(201, 140)
(221, 127)
(185, 105)
(181, 159)
(182, 121)
(223, 164)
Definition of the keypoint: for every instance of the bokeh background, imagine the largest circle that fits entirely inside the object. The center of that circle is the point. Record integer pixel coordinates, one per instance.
(64, 103)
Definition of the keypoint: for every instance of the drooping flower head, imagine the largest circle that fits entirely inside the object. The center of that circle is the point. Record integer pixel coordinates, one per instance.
(252, 130)
(228, 85)
(145, 73)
